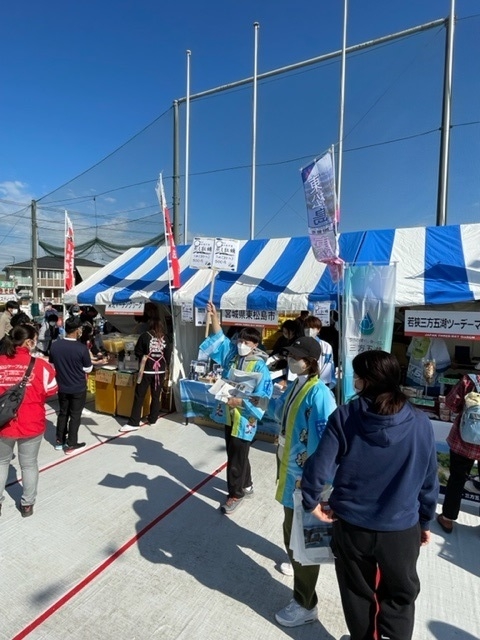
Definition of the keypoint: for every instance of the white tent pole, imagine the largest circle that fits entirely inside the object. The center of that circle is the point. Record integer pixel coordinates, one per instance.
(187, 150)
(342, 104)
(256, 27)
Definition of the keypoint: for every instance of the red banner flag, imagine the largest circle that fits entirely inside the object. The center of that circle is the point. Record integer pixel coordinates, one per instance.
(172, 256)
(69, 275)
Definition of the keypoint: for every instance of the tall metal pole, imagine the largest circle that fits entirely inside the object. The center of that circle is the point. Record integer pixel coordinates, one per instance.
(187, 150)
(176, 174)
(256, 27)
(446, 120)
(35, 308)
(342, 105)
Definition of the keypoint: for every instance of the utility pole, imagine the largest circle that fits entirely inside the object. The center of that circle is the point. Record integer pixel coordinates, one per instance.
(35, 310)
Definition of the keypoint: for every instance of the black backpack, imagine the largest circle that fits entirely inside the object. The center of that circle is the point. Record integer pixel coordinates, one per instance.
(12, 398)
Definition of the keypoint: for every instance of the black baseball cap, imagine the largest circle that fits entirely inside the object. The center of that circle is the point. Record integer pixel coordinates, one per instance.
(305, 348)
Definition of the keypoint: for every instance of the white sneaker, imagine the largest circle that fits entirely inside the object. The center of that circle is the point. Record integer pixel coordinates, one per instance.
(129, 427)
(286, 568)
(248, 491)
(86, 412)
(294, 615)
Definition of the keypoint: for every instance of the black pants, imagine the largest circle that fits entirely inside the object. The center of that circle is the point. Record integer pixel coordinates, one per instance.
(69, 416)
(377, 569)
(460, 468)
(155, 382)
(239, 474)
(304, 577)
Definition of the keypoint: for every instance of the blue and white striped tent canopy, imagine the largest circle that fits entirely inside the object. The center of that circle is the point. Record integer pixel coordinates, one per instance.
(435, 265)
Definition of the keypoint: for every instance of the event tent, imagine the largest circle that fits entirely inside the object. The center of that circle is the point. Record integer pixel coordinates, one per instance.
(435, 265)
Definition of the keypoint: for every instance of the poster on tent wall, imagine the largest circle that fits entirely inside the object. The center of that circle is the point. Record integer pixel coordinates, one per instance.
(322, 311)
(250, 318)
(368, 313)
(319, 186)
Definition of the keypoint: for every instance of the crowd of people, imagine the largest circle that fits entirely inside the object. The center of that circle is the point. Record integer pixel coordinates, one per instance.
(367, 467)
(61, 355)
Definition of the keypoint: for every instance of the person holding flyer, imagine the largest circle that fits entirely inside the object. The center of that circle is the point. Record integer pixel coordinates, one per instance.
(239, 413)
(302, 411)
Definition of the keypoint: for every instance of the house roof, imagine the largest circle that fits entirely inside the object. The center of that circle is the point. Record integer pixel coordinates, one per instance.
(51, 262)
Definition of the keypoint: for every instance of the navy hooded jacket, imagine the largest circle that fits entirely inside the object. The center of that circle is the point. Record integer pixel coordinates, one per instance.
(383, 467)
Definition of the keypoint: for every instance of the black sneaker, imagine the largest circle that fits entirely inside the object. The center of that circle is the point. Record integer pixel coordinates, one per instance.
(59, 445)
(74, 448)
(26, 510)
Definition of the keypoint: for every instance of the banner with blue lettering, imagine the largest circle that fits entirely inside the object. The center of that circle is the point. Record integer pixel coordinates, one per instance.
(319, 185)
(368, 315)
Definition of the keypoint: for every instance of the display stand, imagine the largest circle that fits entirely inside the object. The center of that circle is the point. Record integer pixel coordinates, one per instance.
(125, 382)
(105, 391)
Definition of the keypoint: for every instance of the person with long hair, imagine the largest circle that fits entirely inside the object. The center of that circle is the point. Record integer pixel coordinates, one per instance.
(379, 454)
(153, 351)
(26, 429)
(302, 411)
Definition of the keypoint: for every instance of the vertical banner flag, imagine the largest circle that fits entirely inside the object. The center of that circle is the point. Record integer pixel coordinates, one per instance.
(172, 256)
(68, 267)
(319, 186)
(368, 315)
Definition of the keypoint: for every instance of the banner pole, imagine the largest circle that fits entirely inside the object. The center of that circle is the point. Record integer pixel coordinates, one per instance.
(210, 299)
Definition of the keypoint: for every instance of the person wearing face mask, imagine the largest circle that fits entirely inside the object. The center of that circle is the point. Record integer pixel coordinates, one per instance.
(48, 333)
(326, 365)
(302, 411)
(11, 309)
(75, 311)
(239, 414)
(27, 428)
(72, 361)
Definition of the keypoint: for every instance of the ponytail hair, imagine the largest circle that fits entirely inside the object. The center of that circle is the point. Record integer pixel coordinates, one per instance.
(17, 336)
(380, 371)
(155, 327)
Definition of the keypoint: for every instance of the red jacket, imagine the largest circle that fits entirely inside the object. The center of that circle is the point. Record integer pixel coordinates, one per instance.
(30, 420)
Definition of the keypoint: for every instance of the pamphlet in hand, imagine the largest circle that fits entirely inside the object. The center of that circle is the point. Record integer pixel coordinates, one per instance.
(240, 384)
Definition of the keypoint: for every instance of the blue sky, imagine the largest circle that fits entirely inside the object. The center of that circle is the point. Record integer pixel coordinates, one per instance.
(81, 79)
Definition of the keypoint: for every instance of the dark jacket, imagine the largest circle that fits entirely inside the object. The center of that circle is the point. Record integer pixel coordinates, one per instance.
(383, 468)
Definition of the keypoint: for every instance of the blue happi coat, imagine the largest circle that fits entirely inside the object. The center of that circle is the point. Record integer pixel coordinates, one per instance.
(243, 420)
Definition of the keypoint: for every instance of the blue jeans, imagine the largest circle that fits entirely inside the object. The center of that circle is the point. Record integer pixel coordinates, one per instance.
(28, 449)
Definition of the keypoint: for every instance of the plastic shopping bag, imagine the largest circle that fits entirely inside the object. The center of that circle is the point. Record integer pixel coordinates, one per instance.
(310, 538)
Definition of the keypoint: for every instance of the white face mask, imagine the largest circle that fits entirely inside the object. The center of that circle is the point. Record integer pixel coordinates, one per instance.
(311, 333)
(13, 311)
(357, 384)
(243, 349)
(297, 367)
